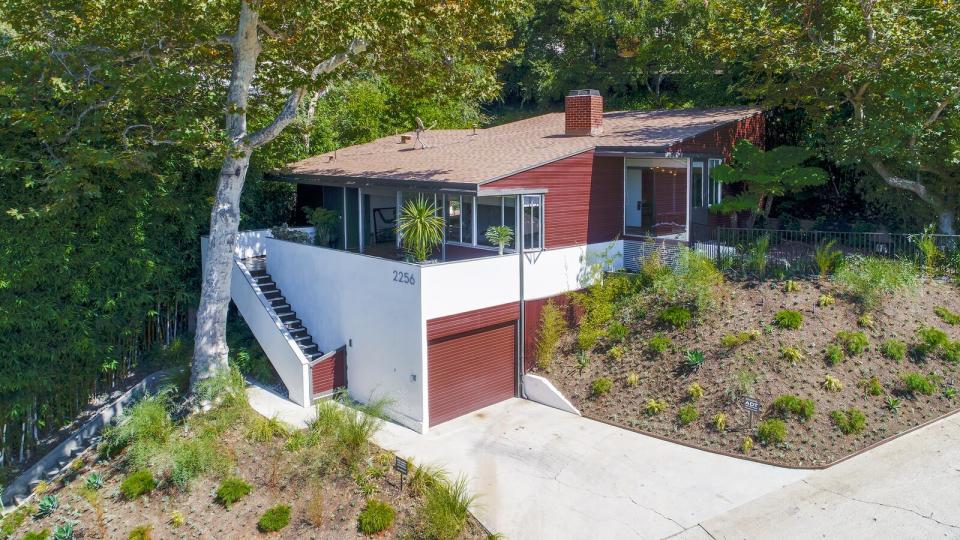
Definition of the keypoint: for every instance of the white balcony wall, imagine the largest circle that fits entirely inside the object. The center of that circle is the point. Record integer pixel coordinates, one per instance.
(372, 305)
(455, 287)
(562, 270)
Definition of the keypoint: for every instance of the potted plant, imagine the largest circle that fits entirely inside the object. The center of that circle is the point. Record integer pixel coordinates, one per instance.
(324, 222)
(500, 235)
(420, 227)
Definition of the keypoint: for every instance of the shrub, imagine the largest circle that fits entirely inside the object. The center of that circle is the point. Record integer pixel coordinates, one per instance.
(917, 383)
(147, 424)
(138, 483)
(177, 519)
(871, 386)
(867, 279)
(930, 340)
(687, 415)
(772, 431)
(274, 519)
(788, 319)
(375, 517)
(832, 384)
(850, 421)
(601, 387)
(731, 341)
(633, 379)
(834, 354)
(947, 316)
(675, 316)
(746, 445)
(552, 326)
(791, 354)
(827, 257)
(232, 490)
(693, 282)
(446, 508)
(291, 235)
(894, 349)
(719, 421)
(853, 342)
(655, 406)
(865, 321)
(13, 520)
(787, 404)
(951, 352)
(826, 300)
(659, 344)
(695, 392)
(617, 332)
(791, 286)
(141, 532)
(693, 360)
(587, 337)
(42, 534)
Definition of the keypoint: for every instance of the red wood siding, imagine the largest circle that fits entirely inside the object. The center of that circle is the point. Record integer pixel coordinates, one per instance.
(471, 320)
(720, 140)
(531, 324)
(471, 370)
(584, 202)
(330, 373)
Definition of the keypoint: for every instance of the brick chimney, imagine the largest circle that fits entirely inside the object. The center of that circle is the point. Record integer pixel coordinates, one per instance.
(583, 110)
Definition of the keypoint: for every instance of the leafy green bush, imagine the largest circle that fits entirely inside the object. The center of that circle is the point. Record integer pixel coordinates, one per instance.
(283, 232)
(917, 383)
(12, 521)
(274, 519)
(601, 387)
(141, 532)
(930, 340)
(147, 424)
(193, 457)
(731, 341)
(772, 431)
(850, 421)
(599, 303)
(788, 319)
(659, 344)
(827, 257)
(867, 279)
(446, 508)
(552, 326)
(894, 349)
(138, 483)
(947, 316)
(835, 354)
(655, 406)
(853, 342)
(617, 331)
(232, 490)
(787, 404)
(693, 282)
(687, 415)
(375, 517)
(675, 316)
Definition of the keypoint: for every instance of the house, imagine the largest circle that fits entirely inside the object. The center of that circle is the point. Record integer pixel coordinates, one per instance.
(445, 338)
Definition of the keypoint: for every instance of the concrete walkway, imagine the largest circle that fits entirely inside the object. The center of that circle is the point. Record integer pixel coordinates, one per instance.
(907, 488)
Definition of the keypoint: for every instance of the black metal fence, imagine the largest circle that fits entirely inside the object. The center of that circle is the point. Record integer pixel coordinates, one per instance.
(795, 249)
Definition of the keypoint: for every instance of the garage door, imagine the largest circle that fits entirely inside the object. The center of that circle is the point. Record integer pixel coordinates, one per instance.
(471, 370)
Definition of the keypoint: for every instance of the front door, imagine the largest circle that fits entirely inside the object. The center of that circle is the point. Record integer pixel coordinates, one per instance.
(633, 199)
(699, 201)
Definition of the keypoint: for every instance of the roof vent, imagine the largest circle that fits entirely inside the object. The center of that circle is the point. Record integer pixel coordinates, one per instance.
(583, 112)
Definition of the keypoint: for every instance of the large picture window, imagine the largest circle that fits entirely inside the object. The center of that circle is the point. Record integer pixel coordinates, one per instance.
(713, 187)
(532, 222)
(459, 219)
(494, 212)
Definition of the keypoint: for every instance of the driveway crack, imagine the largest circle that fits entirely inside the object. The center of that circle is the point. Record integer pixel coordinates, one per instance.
(884, 505)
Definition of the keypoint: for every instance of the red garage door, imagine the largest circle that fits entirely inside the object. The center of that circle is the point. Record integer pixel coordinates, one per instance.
(470, 370)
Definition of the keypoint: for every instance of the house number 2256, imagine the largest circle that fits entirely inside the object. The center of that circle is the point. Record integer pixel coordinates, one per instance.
(404, 277)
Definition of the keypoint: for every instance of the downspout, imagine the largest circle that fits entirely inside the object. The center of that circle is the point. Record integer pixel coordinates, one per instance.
(518, 244)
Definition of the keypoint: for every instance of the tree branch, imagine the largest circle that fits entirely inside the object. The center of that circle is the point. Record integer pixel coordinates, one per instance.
(289, 111)
(942, 106)
(912, 186)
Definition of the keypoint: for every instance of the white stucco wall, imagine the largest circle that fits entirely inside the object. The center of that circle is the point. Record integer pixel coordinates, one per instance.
(455, 287)
(557, 271)
(349, 299)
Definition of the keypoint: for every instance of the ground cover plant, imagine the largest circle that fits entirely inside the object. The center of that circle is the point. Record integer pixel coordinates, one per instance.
(895, 366)
(327, 481)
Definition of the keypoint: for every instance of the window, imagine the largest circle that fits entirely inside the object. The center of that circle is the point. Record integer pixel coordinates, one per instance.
(494, 212)
(532, 222)
(714, 187)
(697, 186)
(459, 219)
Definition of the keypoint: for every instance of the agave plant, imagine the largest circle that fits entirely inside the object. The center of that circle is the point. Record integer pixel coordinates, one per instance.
(47, 505)
(64, 531)
(420, 227)
(694, 359)
(95, 480)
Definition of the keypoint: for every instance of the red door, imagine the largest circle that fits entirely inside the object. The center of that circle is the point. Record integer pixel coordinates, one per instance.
(471, 370)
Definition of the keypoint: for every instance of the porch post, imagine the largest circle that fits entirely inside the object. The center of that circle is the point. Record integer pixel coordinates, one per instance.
(343, 216)
(443, 238)
(689, 203)
(521, 321)
(361, 218)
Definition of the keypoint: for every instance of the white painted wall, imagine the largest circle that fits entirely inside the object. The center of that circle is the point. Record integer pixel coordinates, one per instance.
(253, 243)
(343, 297)
(557, 271)
(459, 286)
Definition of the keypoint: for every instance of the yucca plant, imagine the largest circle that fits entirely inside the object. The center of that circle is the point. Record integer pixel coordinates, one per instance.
(420, 228)
(500, 235)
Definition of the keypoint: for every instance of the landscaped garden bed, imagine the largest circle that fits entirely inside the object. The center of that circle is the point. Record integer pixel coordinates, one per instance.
(230, 473)
(838, 362)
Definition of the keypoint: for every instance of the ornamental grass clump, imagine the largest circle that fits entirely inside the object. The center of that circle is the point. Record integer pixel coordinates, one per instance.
(849, 422)
(786, 405)
(695, 392)
(659, 344)
(917, 383)
(788, 319)
(687, 414)
(600, 387)
(832, 384)
(791, 354)
(731, 341)
(930, 340)
(376, 516)
(138, 483)
(446, 509)
(866, 280)
(232, 490)
(771, 432)
(947, 316)
(275, 518)
(675, 316)
(834, 354)
(654, 407)
(894, 349)
(853, 343)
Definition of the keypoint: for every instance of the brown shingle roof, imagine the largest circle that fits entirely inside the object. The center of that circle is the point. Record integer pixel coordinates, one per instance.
(460, 156)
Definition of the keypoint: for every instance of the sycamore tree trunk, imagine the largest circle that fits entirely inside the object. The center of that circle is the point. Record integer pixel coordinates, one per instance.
(947, 219)
(210, 346)
(946, 215)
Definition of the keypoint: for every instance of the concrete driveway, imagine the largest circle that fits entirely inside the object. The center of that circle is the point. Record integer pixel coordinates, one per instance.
(543, 473)
(907, 488)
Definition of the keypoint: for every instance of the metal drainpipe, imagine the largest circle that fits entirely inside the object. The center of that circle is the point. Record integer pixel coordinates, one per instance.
(518, 243)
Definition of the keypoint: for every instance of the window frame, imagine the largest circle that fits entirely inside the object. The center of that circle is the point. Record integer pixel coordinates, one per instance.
(715, 189)
(540, 205)
(697, 195)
